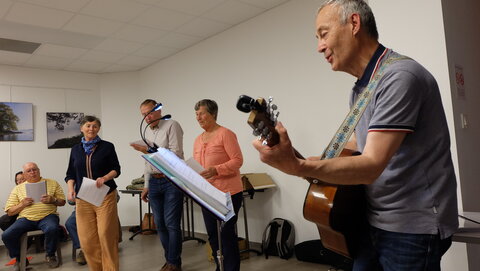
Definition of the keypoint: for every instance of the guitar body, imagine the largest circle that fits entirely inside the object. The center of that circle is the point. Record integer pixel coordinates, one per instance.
(339, 211)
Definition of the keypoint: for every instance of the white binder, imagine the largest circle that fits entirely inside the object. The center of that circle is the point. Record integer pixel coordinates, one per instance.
(190, 182)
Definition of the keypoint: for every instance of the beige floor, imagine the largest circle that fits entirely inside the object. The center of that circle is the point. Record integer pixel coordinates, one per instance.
(145, 253)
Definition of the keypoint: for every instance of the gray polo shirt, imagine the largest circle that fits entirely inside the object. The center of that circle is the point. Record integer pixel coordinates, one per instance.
(416, 193)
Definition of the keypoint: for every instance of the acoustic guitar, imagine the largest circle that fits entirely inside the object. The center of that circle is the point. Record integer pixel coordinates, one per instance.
(339, 211)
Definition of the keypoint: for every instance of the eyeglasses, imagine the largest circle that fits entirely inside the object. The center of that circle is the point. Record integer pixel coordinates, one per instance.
(32, 170)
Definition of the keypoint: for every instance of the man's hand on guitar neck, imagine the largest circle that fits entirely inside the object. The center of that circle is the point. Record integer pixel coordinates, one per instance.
(280, 156)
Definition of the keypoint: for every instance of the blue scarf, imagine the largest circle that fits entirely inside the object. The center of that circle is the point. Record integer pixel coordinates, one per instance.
(89, 145)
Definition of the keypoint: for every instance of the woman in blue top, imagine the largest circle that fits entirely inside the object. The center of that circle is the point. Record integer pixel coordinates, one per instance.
(97, 226)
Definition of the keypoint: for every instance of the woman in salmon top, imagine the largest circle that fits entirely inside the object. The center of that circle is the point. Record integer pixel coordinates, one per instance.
(217, 150)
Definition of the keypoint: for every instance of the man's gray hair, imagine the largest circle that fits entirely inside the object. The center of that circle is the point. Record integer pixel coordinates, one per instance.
(348, 7)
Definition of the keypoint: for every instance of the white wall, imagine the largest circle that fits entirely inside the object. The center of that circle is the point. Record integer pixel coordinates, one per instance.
(121, 97)
(274, 54)
(461, 31)
(49, 91)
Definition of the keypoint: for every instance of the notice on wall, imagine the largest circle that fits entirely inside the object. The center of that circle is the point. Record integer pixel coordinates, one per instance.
(460, 82)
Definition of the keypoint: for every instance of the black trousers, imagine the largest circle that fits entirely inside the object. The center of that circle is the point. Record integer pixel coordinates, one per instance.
(230, 251)
(7, 221)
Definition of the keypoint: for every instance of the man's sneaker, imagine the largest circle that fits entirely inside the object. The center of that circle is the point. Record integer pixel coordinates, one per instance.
(81, 258)
(52, 261)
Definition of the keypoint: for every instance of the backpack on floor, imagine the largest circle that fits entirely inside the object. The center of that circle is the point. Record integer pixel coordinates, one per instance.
(313, 251)
(279, 239)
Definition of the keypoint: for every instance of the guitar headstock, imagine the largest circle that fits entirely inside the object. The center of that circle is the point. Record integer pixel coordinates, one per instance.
(263, 117)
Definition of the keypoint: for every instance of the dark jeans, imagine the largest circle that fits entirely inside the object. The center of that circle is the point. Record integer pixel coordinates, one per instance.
(71, 225)
(230, 251)
(49, 226)
(167, 206)
(392, 251)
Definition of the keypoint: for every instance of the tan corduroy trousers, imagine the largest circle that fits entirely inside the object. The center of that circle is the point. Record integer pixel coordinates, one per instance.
(98, 233)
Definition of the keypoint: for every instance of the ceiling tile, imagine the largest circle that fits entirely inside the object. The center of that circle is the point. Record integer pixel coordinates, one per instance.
(203, 28)
(124, 11)
(177, 40)
(119, 46)
(99, 36)
(139, 33)
(13, 58)
(68, 5)
(86, 66)
(137, 61)
(162, 19)
(119, 68)
(48, 62)
(39, 34)
(155, 51)
(264, 3)
(102, 56)
(59, 51)
(92, 25)
(4, 6)
(194, 7)
(38, 16)
(233, 12)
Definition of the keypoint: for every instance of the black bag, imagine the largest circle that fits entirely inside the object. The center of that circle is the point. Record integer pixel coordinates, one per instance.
(279, 239)
(314, 251)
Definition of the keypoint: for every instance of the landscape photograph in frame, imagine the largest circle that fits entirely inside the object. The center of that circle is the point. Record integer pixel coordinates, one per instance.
(63, 129)
(16, 121)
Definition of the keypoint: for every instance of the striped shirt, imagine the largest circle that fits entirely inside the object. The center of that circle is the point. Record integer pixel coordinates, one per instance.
(37, 210)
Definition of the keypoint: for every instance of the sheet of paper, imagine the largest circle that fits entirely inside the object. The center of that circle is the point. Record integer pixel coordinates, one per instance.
(194, 165)
(189, 175)
(36, 190)
(91, 193)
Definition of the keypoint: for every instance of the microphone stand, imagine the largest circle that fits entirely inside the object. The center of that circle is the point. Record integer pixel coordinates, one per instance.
(151, 149)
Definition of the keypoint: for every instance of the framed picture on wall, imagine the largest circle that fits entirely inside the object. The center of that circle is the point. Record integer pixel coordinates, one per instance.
(63, 129)
(16, 121)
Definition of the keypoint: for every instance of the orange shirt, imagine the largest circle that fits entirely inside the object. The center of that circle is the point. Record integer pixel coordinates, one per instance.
(222, 152)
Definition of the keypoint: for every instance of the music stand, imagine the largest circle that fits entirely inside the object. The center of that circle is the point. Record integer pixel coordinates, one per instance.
(195, 187)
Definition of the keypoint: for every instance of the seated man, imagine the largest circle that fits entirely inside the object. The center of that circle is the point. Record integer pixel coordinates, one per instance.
(71, 225)
(6, 220)
(34, 215)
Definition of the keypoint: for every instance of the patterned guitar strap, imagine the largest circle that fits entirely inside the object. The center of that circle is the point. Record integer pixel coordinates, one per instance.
(343, 133)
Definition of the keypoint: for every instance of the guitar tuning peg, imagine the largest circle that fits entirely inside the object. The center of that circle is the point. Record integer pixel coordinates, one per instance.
(274, 107)
(261, 124)
(257, 132)
(275, 118)
(264, 142)
(265, 131)
(270, 99)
